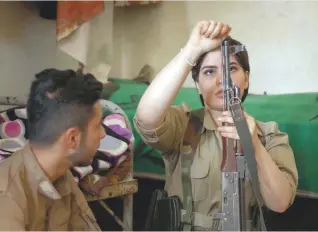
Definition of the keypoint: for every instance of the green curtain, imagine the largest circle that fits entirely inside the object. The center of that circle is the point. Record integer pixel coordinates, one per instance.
(295, 114)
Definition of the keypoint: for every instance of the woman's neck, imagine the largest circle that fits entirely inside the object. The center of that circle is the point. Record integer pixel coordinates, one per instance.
(215, 114)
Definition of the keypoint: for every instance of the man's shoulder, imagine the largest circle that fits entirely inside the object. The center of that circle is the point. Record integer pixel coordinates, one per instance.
(11, 171)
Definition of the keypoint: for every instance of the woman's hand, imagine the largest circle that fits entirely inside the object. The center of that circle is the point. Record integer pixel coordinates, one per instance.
(207, 36)
(276, 184)
(231, 132)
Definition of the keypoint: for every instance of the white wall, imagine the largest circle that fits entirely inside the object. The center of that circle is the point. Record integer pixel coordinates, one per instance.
(280, 37)
(28, 45)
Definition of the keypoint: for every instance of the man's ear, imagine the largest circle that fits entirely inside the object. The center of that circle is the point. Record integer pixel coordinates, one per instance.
(72, 138)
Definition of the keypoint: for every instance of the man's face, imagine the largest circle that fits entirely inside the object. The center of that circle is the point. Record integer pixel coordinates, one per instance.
(90, 139)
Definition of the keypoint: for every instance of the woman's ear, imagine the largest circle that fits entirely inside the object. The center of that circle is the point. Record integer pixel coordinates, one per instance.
(247, 78)
(198, 87)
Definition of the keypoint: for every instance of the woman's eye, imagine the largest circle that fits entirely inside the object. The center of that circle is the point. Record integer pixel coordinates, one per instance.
(208, 72)
(232, 69)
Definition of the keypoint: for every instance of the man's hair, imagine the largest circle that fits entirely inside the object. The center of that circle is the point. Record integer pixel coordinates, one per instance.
(59, 100)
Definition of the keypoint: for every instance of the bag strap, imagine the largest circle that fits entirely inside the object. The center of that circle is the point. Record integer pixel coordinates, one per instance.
(248, 150)
(190, 141)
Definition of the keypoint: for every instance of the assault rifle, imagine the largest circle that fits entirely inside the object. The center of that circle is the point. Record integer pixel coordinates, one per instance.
(238, 162)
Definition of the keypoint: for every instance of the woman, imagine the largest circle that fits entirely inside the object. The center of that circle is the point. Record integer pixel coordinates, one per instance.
(162, 126)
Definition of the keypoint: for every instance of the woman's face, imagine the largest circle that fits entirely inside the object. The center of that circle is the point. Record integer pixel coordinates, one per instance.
(210, 79)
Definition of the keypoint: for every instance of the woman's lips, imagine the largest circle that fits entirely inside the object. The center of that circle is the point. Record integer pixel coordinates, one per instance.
(219, 94)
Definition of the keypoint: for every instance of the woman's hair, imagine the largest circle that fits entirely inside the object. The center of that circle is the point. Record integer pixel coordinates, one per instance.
(241, 57)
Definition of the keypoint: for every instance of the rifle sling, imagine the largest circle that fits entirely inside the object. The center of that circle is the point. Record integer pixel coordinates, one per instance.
(191, 140)
(248, 150)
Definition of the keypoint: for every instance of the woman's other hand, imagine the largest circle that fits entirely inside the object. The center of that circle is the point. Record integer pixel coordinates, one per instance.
(230, 130)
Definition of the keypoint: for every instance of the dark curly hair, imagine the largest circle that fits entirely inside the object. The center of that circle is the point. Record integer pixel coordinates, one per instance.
(59, 100)
(241, 57)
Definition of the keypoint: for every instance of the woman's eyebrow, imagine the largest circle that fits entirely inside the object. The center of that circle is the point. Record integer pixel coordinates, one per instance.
(209, 66)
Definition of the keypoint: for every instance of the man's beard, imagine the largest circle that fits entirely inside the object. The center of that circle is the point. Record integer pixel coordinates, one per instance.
(79, 158)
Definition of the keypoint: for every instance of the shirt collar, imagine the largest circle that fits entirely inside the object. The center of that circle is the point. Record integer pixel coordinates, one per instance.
(59, 189)
(208, 122)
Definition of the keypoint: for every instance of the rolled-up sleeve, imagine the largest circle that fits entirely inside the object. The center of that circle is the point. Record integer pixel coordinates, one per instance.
(168, 135)
(277, 145)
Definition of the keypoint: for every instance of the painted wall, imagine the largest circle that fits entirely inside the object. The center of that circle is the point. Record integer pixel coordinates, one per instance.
(280, 37)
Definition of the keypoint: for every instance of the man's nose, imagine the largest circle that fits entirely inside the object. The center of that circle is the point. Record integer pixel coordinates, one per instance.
(103, 134)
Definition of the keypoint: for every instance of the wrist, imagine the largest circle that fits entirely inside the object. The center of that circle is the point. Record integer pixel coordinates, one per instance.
(191, 52)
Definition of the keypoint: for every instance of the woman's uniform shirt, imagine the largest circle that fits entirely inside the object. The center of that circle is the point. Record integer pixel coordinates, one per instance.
(205, 170)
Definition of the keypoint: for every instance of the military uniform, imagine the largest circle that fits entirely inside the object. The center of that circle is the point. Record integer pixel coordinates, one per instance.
(29, 201)
(205, 170)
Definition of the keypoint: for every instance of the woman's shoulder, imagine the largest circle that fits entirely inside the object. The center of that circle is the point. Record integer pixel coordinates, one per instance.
(185, 109)
(270, 134)
(267, 128)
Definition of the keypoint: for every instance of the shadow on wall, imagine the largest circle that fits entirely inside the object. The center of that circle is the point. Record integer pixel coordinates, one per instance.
(151, 28)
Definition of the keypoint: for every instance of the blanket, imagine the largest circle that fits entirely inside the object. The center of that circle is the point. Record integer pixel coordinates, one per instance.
(114, 151)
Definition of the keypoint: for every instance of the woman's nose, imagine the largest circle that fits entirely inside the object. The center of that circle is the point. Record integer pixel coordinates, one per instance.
(219, 78)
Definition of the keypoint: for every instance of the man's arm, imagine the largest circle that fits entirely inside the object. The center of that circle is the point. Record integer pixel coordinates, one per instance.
(11, 215)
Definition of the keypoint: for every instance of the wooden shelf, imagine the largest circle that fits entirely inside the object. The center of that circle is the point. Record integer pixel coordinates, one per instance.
(147, 175)
(122, 188)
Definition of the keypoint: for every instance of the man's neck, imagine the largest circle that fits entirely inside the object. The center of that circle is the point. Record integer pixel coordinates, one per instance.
(53, 163)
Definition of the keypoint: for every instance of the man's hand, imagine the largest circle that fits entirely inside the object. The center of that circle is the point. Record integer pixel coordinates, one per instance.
(230, 131)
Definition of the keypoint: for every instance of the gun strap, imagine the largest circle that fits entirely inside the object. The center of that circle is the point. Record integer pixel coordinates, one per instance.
(248, 150)
(190, 142)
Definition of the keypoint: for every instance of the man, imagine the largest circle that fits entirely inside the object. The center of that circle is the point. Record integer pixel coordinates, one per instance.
(37, 190)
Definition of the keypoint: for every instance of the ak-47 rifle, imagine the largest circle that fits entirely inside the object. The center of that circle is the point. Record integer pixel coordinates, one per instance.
(238, 162)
